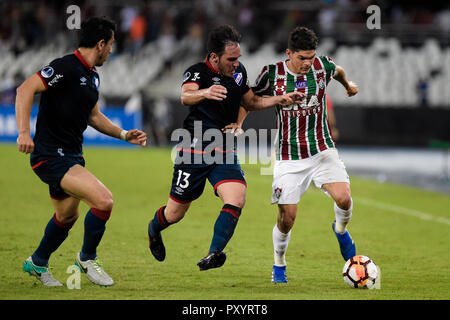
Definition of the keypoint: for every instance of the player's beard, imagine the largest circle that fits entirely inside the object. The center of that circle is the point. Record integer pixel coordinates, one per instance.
(101, 59)
(230, 71)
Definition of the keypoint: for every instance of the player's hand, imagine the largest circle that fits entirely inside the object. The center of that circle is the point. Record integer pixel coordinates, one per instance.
(233, 128)
(25, 144)
(136, 136)
(216, 92)
(291, 98)
(351, 89)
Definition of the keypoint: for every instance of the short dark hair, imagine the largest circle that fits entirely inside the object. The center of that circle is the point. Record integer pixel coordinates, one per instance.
(220, 36)
(302, 38)
(95, 29)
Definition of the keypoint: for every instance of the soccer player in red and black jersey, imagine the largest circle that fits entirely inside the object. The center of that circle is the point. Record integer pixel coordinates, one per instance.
(69, 103)
(214, 90)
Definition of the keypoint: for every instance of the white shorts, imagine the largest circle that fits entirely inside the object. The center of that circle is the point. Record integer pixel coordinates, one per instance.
(291, 178)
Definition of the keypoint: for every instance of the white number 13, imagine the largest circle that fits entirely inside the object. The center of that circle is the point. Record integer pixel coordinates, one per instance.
(185, 182)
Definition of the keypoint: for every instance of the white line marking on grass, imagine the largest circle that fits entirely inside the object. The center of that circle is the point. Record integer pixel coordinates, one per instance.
(402, 210)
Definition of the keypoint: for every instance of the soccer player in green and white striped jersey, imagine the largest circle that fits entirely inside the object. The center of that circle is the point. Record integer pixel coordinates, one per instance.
(305, 150)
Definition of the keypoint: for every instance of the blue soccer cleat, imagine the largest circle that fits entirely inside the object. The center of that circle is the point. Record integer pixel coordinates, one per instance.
(279, 274)
(346, 243)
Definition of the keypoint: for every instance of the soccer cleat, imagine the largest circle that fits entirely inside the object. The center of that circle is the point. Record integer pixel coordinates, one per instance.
(212, 260)
(41, 273)
(94, 271)
(156, 245)
(279, 274)
(346, 243)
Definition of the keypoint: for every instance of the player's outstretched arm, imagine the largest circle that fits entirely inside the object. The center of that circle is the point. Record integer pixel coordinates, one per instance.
(102, 124)
(191, 95)
(24, 101)
(251, 102)
(350, 87)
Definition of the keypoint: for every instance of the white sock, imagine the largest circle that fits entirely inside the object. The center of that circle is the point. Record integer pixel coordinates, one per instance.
(280, 244)
(342, 217)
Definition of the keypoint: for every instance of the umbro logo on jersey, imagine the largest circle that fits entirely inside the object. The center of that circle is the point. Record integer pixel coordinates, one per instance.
(83, 81)
(216, 80)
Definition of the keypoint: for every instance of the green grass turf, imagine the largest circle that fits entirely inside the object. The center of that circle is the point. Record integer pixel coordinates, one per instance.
(413, 253)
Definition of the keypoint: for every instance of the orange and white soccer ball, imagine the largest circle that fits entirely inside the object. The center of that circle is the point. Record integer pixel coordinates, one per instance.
(360, 272)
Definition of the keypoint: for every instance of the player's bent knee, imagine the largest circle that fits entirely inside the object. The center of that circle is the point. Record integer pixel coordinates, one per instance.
(105, 204)
(344, 201)
(240, 202)
(286, 218)
(174, 215)
(286, 222)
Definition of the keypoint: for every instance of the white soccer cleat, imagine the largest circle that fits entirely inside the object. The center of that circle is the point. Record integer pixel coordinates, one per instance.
(94, 271)
(41, 273)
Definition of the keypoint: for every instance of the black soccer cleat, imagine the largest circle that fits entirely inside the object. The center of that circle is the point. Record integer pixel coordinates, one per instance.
(156, 246)
(212, 260)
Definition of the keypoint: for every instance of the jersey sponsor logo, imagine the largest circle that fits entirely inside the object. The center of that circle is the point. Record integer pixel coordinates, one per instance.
(295, 112)
(186, 76)
(313, 102)
(55, 79)
(47, 72)
(301, 84)
(196, 76)
(238, 78)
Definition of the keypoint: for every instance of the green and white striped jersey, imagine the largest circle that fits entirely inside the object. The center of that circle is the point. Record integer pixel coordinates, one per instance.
(303, 129)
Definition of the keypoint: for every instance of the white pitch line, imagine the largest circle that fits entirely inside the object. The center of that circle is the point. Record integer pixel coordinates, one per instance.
(402, 210)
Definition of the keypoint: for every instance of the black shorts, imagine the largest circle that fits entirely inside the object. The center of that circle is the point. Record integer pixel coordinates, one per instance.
(188, 181)
(52, 170)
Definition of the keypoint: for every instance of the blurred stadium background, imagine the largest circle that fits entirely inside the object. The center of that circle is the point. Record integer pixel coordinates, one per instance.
(397, 128)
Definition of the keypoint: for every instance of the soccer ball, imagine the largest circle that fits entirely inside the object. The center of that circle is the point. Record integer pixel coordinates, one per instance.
(360, 272)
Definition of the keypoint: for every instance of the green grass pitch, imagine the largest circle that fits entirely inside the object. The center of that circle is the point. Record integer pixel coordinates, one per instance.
(406, 231)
